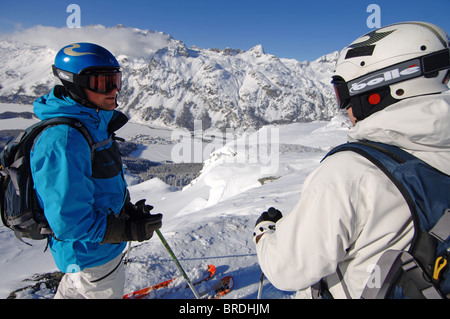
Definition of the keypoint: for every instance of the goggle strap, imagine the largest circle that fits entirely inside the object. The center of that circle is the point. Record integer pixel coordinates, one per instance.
(83, 81)
(422, 66)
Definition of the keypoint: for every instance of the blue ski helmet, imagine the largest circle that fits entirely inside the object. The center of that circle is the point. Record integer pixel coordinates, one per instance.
(79, 57)
(76, 64)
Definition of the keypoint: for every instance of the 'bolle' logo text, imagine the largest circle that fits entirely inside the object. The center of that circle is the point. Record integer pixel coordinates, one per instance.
(400, 73)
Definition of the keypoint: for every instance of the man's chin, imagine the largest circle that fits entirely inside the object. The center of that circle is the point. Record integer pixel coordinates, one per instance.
(109, 104)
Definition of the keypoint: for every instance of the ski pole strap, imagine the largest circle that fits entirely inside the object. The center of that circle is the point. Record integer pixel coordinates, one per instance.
(183, 273)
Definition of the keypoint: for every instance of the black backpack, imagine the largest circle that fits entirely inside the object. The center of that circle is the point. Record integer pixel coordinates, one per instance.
(20, 209)
(423, 270)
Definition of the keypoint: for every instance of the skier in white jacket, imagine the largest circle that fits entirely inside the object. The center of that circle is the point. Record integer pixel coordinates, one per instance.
(393, 83)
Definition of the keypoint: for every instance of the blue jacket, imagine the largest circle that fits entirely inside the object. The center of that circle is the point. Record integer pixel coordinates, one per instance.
(75, 194)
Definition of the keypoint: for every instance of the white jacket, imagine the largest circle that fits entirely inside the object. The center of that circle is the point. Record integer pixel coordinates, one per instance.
(349, 212)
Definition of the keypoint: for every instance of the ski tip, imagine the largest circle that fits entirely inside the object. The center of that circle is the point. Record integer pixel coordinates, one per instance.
(212, 269)
(224, 285)
(228, 280)
(145, 292)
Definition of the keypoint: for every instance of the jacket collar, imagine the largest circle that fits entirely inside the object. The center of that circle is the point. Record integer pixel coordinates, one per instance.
(59, 104)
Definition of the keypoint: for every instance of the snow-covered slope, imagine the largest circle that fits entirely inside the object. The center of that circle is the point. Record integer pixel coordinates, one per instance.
(208, 222)
(171, 85)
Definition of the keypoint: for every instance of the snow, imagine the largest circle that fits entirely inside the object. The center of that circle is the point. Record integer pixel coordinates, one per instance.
(209, 221)
(169, 84)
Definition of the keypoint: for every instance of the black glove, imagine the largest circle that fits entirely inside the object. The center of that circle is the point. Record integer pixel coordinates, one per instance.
(120, 230)
(137, 211)
(266, 223)
(272, 215)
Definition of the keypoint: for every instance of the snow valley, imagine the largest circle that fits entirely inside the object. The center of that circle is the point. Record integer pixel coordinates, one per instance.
(215, 137)
(209, 221)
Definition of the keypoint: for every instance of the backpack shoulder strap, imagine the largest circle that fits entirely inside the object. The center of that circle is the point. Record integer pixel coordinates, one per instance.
(386, 157)
(17, 150)
(80, 127)
(74, 123)
(413, 177)
(399, 166)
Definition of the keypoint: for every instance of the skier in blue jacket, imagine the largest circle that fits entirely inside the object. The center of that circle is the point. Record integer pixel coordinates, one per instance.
(86, 201)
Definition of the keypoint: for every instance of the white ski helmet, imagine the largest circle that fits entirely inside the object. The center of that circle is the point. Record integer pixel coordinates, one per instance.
(392, 63)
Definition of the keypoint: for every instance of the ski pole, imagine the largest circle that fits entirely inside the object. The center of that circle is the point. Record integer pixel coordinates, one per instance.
(261, 282)
(183, 273)
(272, 214)
(126, 260)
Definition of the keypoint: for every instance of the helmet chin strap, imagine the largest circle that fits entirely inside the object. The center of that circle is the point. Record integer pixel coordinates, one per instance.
(82, 101)
(77, 93)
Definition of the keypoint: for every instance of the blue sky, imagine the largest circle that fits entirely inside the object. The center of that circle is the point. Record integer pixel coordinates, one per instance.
(303, 30)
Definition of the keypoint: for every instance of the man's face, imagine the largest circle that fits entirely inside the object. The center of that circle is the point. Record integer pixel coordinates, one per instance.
(350, 116)
(104, 101)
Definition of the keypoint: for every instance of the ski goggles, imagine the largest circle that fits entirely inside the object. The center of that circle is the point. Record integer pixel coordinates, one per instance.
(104, 82)
(97, 81)
(422, 66)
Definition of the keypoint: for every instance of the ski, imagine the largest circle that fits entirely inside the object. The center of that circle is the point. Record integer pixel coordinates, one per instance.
(220, 289)
(145, 292)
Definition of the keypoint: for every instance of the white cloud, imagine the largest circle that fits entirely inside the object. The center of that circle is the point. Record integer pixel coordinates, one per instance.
(119, 40)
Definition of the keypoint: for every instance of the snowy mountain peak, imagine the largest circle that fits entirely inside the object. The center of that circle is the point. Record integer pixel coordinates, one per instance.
(257, 50)
(168, 84)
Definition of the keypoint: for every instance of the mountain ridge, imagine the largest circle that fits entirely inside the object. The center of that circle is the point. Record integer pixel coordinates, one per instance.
(168, 84)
